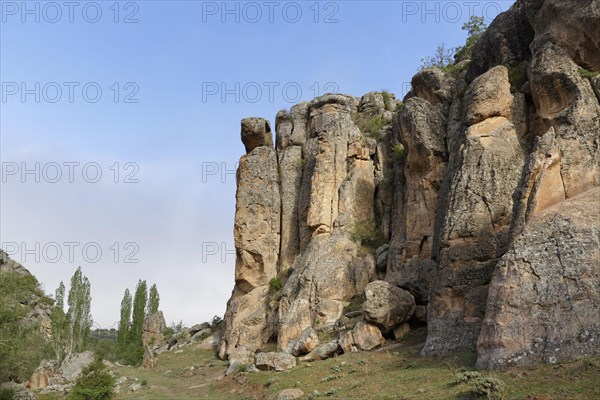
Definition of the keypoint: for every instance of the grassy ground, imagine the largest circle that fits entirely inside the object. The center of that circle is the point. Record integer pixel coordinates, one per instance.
(394, 372)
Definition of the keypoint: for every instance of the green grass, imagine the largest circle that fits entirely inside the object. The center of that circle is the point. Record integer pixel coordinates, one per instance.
(371, 126)
(397, 371)
(584, 73)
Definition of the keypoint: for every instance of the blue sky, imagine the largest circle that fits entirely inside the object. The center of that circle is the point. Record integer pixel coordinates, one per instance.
(152, 120)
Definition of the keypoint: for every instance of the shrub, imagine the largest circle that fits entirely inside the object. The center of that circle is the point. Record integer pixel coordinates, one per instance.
(242, 368)
(584, 73)
(491, 388)
(466, 377)
(275, 284)
(446, 58)
(7, 394)
(95, 383)
(517, 76)
(475, 28)
(442, 58)
(387, 100)
(398, 153)
(367, 234)
(488, 387)
(371, 126)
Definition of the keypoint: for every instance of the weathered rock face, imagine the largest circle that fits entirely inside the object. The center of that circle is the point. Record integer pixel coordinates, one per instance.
(421, 130)
(486, 160)
(256, 235)
(422, 203)
(73, 364)
(256, 132)
(152, 330)
(544, 297)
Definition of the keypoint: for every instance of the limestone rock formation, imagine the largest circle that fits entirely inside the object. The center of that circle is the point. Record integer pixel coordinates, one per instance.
(152, 330)
(387, 305)
(545, 294)
(449, 209)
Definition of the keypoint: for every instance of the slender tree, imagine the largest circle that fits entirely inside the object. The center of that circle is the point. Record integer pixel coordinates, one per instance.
(140, 300)
(153, 300)
(59, 323)
(124, 333)
(78, 316)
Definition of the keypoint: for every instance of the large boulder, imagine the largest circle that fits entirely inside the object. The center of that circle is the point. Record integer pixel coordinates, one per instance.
(323, 352)
(387, 305)
(275, 361)
(239, 356)
(306, 343)
(256, 132)
(367, 336)
(74, 364)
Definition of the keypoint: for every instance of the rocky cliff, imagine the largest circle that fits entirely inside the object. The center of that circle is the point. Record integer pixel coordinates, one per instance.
(36, 306)
(472, 205)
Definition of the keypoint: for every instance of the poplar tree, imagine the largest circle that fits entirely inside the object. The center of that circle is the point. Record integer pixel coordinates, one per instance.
(78, 316)
(140, 300)
(59, 323)
(124, 333)
(153, 300)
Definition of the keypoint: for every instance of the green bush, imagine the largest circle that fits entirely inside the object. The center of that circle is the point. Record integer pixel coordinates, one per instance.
(131, 354)
(491, 388)
(95, 383)
(398, 153)
(371, 126)
(467, 376)
(22, 345)
(446, 59)
(7, 394)
(387, 100)
(275, 284)
(475, 28)
(584, 73)
(488, 387)
(367, 234)
(517, 76)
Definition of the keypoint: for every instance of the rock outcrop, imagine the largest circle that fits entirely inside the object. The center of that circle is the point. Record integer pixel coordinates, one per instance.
(153, 330)
(38, 308)
(545, 293)
(463, 207)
